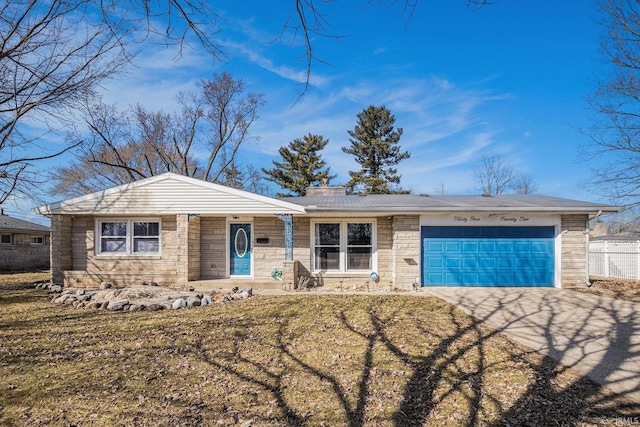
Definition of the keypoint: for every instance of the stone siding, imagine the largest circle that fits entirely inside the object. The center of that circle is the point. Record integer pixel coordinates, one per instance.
(267, 256)
(74, 259)
(194, 248)
(574, 256)
(22, 254)
(61, 248)
(213, 248)
(406, 251)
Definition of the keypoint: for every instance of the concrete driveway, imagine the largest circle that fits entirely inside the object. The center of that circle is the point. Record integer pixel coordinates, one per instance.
(599, 337)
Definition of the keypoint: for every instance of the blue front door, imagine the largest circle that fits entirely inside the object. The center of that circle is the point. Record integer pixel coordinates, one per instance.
(240, 250)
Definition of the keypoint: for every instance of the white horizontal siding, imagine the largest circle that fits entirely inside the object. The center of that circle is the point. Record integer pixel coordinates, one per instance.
(173, 195)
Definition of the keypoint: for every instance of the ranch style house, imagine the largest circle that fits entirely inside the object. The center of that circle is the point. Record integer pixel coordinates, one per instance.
(172, 229)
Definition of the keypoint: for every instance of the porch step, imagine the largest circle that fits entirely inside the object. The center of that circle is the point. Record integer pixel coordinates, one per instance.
(207, 285)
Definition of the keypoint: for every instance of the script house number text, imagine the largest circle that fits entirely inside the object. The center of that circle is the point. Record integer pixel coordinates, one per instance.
(502, 218)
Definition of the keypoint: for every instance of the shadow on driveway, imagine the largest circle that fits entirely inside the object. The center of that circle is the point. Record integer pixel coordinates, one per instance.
(597, 336)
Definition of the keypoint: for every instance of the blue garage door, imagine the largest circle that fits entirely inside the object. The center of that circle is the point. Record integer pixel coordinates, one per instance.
(487, 256)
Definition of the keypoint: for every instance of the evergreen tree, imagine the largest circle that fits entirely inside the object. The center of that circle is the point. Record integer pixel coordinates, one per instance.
(374, 143)
(301, 165)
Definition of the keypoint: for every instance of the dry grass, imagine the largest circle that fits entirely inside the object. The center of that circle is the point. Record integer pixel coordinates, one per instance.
(623, 289)
(299, 360)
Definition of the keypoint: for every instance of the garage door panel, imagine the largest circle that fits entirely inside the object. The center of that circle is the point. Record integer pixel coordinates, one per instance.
(435, 246)
(470, 247)
(487, 247)
(470, 263)
(488, 256)
(452, 262)
(452, 247)
(487, 263)
(504, 247)
(540, 247)
(433, 262)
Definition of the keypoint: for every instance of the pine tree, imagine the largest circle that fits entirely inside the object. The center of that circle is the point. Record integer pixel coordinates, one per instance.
(374, 143)
(301, 165)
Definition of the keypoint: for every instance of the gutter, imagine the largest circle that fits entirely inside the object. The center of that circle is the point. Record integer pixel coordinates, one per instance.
(485, 209)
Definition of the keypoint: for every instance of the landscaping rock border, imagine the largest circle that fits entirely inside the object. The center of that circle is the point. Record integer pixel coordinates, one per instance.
(139, 297)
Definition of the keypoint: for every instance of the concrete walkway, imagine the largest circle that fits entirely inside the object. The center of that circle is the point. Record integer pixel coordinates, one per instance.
(597, 336)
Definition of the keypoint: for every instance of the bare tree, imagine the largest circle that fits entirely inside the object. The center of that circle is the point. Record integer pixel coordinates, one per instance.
(523, 183)
(121, 147)
(230, 116)
(493, 174)
(53, 55)
(615, 134)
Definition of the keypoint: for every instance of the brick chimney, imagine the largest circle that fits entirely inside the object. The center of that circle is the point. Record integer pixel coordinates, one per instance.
(325, 190)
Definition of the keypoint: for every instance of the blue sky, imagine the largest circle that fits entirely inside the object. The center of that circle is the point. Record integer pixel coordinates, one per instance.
(510, 78)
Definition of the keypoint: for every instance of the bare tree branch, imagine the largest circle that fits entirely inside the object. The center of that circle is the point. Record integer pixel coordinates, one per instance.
(615, 133)
(121, 147)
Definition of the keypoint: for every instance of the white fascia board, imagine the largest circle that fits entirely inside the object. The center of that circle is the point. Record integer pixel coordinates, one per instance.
(61, 207)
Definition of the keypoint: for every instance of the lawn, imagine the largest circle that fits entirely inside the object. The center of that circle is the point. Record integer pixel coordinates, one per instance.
(317, 360)
(624, 289)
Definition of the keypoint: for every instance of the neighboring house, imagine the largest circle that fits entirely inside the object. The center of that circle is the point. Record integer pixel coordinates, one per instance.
(173, 229)
(23, 244)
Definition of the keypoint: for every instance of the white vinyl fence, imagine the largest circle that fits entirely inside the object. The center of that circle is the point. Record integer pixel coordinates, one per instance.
(615, 259)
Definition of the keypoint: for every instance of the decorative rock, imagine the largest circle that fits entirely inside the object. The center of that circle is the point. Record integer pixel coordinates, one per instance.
(219, 298)
(248, 290)
(193, 302)
(153, 284)
(133, 307)
(80, 292)
(166, 305)
(70, 299)
(179, 303)
(104, 305)
(106, 285)
(117, 305)
(94, 305)
(244, 295)
(154, 307)
(206, 300)
(56, 288)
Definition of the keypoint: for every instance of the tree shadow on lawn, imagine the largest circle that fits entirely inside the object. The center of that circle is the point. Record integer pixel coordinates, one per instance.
(468, 375)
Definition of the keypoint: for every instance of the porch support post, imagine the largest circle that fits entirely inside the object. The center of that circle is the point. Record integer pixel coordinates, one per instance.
(288, 235)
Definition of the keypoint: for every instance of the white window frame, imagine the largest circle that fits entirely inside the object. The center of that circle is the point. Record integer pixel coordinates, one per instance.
(35, 242)
(344, 244)
(129, 237)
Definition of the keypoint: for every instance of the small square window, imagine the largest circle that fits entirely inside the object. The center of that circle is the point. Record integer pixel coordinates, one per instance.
(5, 239)
(37, 240)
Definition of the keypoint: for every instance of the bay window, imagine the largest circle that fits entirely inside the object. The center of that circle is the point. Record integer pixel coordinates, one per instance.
(343, 246)
(128, 237)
